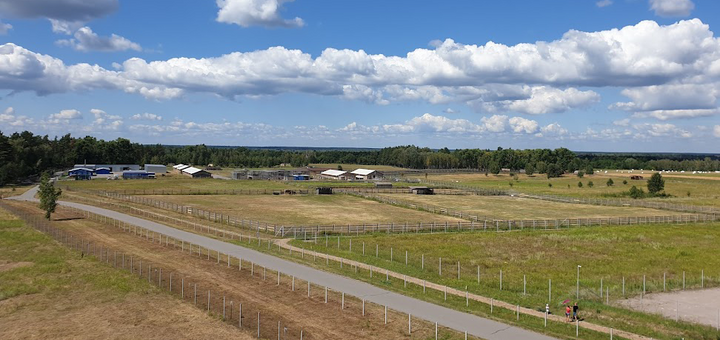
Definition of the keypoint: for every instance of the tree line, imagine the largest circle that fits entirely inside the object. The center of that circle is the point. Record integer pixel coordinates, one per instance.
(25, 156)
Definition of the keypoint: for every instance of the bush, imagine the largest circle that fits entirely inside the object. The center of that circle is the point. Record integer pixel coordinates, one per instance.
(636, 193)
(529, 169)
(550, 185)
(688, 194)
(656, 183)
(610, 182)
(580, 185)
(591, 184)
(580, 174)
(554, 170)
(511, 184)
(589, 170)
(625, 181)
(515, 177)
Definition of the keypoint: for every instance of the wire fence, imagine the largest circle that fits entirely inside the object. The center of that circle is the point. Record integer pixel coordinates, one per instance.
(260, 322)
(475, 223)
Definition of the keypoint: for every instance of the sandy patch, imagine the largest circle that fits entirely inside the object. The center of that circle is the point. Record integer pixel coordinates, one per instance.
(699, 306)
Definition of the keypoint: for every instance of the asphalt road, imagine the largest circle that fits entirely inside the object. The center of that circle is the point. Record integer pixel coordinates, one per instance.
(462, 322)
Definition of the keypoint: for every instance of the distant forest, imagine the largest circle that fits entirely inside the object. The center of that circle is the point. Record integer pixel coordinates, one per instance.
(25, 155)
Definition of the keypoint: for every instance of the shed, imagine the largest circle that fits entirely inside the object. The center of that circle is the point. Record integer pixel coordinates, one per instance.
(81, 173)
(324, 191)
(334, 174)
(301, 177)
(421, 190)
(196, 173)
(366, 174)
(156, 168)
(137, 174)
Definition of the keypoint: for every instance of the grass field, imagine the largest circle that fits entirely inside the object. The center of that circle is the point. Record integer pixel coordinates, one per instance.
(506, 207)
(703, 191)
(607, 253)
(305, 209)
(13, 191)
(47, 291)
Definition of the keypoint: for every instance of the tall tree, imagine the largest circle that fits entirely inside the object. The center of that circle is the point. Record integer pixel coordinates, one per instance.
(48, 195)
(656, 183)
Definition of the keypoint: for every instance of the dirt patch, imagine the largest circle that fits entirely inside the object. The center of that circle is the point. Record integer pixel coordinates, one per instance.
(6, 266)
(699, 306)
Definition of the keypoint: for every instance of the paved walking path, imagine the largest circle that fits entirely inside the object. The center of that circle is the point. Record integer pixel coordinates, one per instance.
(462, 322)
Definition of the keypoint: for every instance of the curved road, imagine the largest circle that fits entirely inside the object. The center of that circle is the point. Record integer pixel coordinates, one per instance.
(462, 322)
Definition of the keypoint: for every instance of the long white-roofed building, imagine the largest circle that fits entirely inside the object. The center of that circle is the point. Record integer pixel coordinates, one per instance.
(366, 174)
(334, 174)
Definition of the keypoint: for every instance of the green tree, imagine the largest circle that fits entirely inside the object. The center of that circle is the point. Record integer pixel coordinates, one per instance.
(625, 181)
(48, 195)
(610, 182)
(495, 168)
(529, 169)
(591, 184)
(589, 170)
(580, 185)
(636, 193)
(580, 174)
(656, 183)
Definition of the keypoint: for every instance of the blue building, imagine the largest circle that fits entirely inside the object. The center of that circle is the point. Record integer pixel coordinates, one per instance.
(137, 174)
(102, 171)
(81, 173)
(301, 177)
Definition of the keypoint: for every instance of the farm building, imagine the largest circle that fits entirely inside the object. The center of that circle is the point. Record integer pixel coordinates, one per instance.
(334, 174)
(366, 174)
(103, 171)
(137, 174)
(156, 168)
(81, 173)
(421, 190)
(196, 173)
(112, 167)
(383, 185)
(179, 167)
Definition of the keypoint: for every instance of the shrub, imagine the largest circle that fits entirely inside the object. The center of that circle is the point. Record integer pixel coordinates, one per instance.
(515, 177)
(636, 193)
(625, 181)
(550, 185)
(580, 174)
(610, 182)
(591, 184)
(580, 185)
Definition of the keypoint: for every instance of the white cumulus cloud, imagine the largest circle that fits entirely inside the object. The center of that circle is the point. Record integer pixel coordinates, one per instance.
(672, 8)
(86, 40)
(67, 114)
(248, 13)
(9, 118)
(4, 28)
(716, 131)
(146, 116)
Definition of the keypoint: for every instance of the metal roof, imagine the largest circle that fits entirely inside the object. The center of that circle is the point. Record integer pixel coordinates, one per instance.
(77, 169)
(362, 172)
(192, 170)
(178, 166)
(183, 167)
(334, 173)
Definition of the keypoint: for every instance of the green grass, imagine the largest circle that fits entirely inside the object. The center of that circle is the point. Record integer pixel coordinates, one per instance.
(703, 191)
(52, 268)
(607, 253)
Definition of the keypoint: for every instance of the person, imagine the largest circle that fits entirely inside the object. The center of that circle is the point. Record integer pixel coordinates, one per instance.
(575, 311)
(567, 313)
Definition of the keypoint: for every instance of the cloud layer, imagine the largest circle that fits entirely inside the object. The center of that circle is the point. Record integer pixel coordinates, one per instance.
(248, 13)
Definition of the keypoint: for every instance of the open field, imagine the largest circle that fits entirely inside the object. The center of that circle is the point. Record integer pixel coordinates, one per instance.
(506, 207)
(305, 210)
(607, 253)
(699, 306)
(8, 191)
(703, 191)
(48, 291)
(318, 320)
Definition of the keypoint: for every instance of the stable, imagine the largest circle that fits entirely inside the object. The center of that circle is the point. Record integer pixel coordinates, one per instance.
(137, 174)
(334, 174)
(196, 173)
(366, 174)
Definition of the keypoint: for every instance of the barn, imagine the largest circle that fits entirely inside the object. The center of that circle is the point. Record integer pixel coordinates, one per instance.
(366, 174)
(81, 173)
(334, 174)
(196, 173)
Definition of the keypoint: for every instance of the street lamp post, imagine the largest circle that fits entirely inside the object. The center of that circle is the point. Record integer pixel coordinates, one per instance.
(577, 290)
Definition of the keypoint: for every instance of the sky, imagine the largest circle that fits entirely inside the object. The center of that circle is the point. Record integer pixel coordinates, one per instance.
(589, 75)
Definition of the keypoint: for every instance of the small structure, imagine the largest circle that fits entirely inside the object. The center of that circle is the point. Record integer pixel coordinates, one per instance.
(240, 174)
(137, 174)
(324, 191)
(179, 167)
(383, 185)
(156, 168)
(81, 173)
(103, 171)
(334, 174)
(301, 177)
(636, 177)
(421, 190)
(366, 174)
(196, 173)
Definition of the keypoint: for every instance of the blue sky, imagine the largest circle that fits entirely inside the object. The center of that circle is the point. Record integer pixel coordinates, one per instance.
(620, 75)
